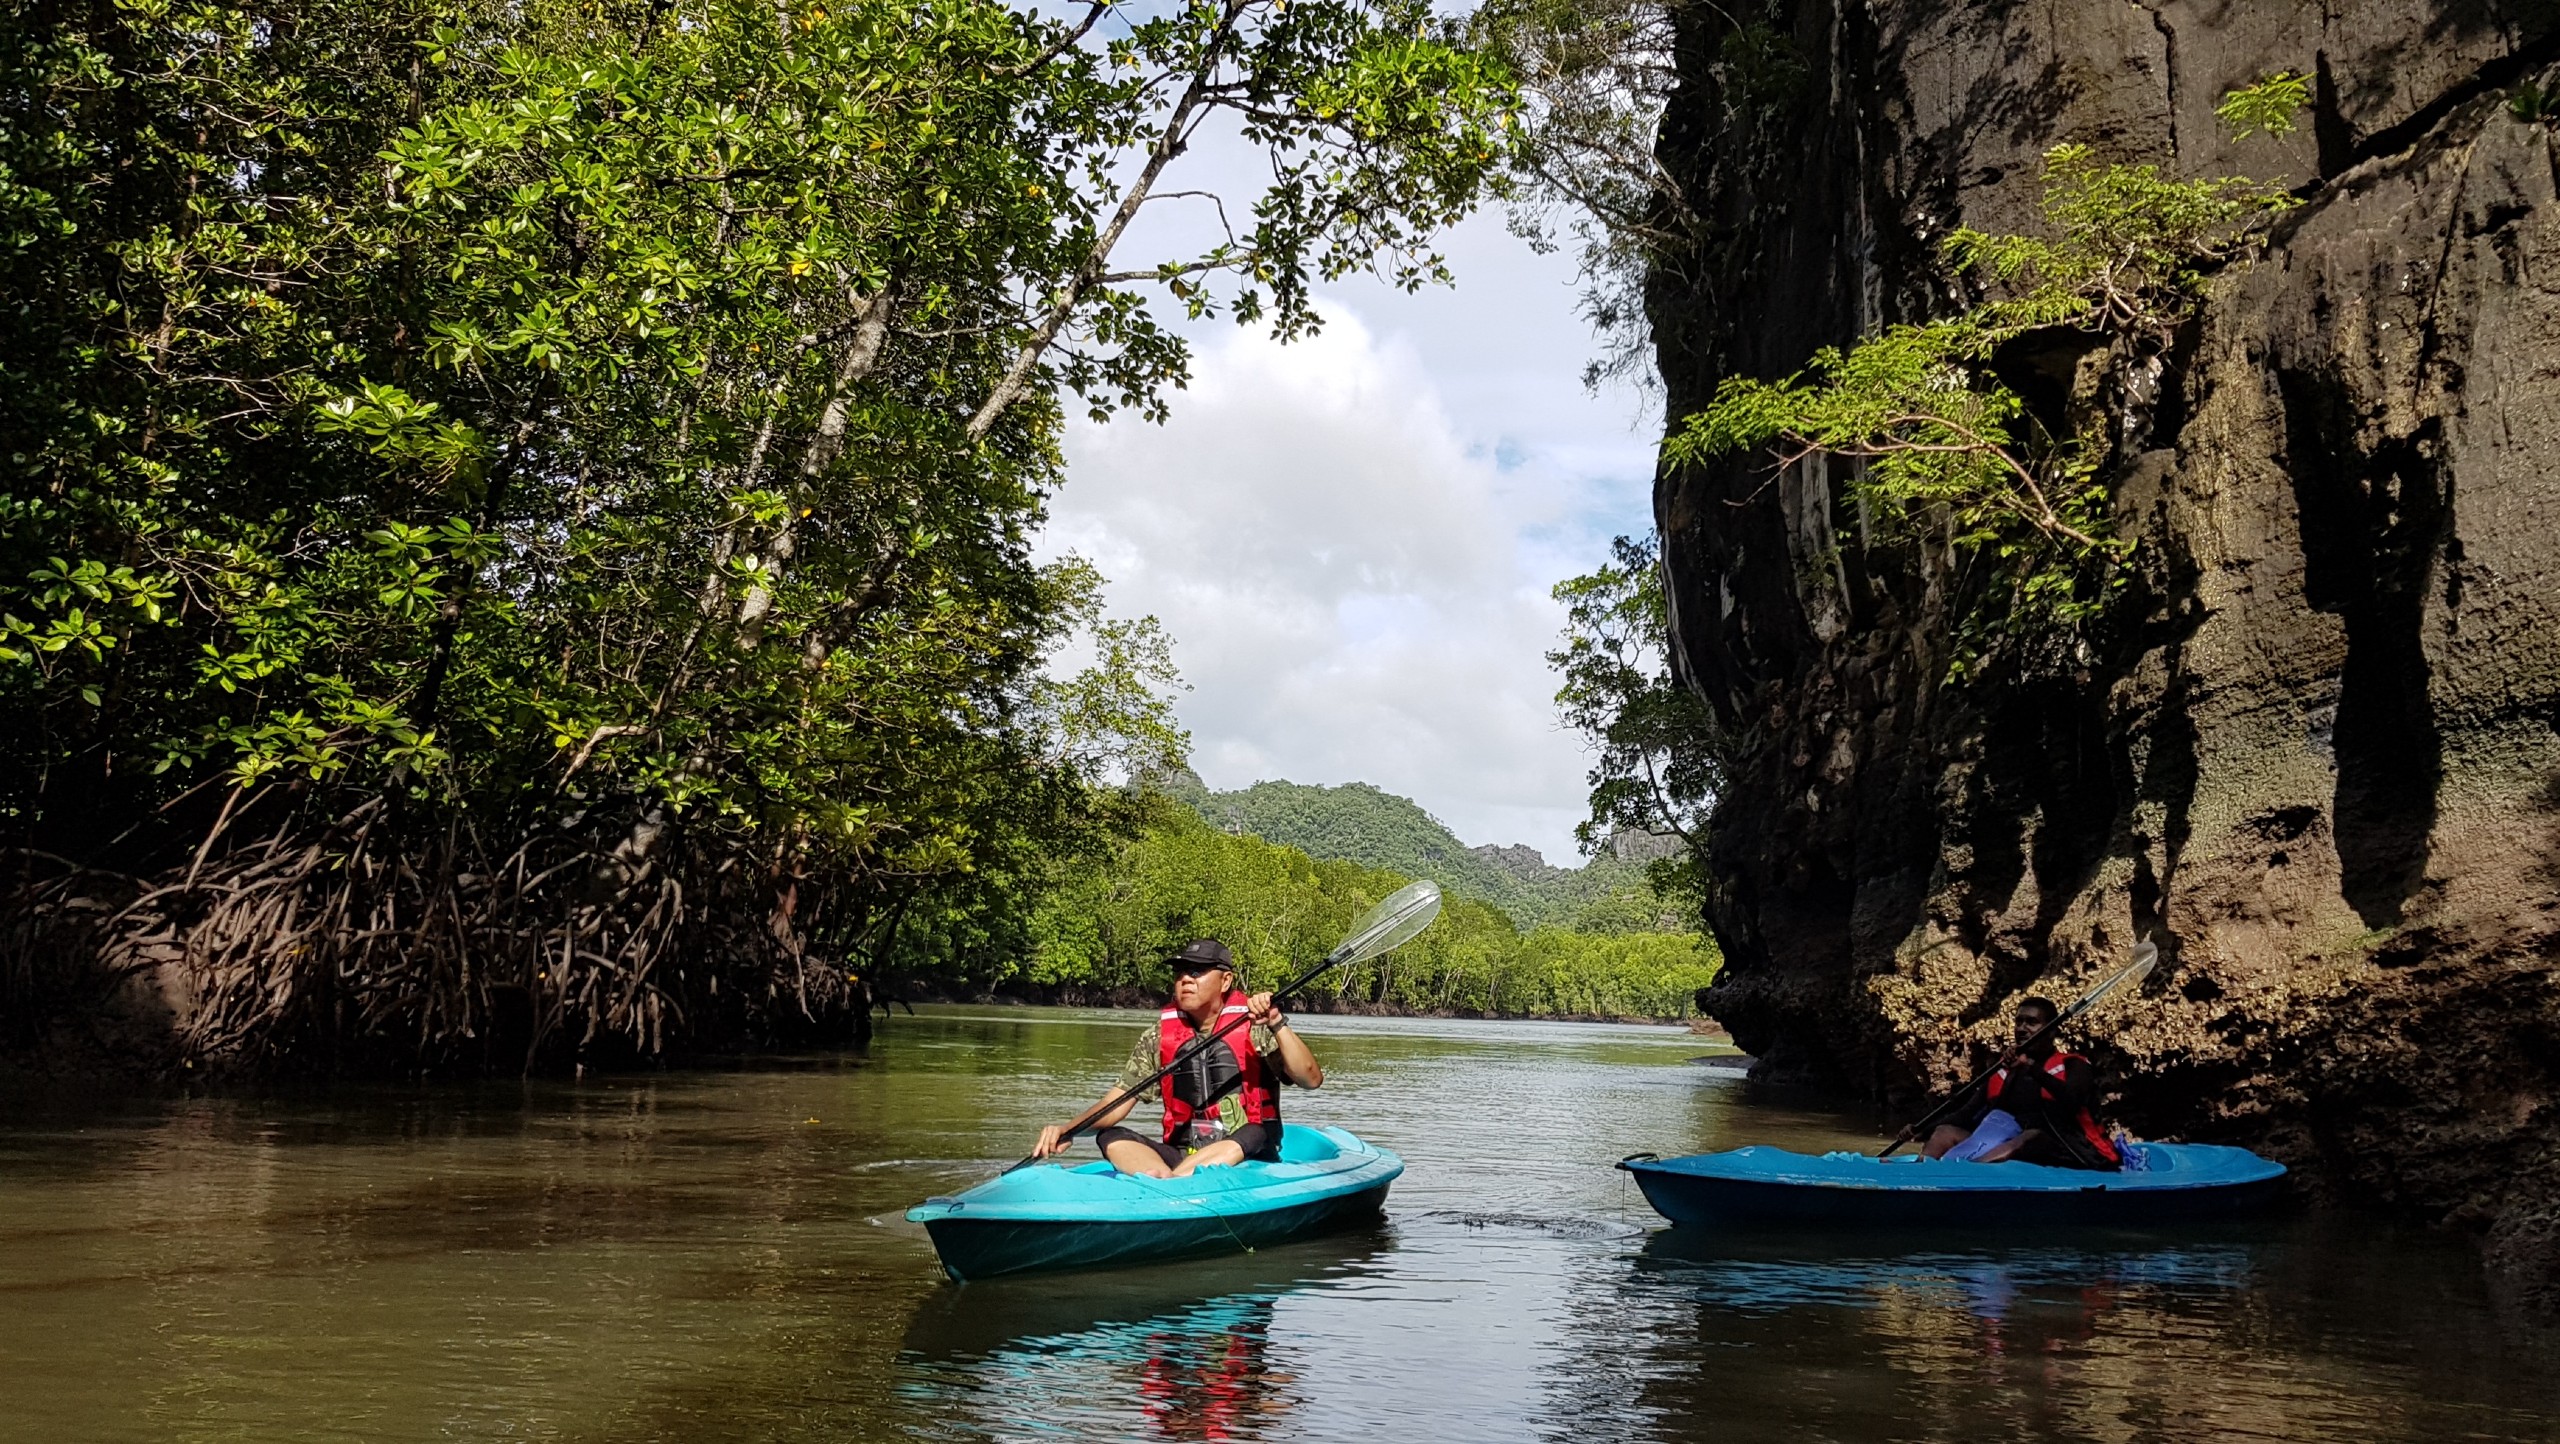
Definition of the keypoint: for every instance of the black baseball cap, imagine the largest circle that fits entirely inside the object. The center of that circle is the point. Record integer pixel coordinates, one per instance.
(1202, 954)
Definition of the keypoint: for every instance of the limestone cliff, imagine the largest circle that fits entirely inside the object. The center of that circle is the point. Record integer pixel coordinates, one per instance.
(2317, 748)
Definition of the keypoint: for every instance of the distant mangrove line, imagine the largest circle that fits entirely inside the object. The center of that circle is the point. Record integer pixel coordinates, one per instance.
(1109, 923)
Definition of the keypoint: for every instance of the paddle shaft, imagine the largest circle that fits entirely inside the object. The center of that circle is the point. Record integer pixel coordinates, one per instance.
(2087, 1000)
(1190, 1050)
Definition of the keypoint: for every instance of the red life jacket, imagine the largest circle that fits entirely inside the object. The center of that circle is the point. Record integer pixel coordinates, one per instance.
(1261, 1100)
(2086, 1124)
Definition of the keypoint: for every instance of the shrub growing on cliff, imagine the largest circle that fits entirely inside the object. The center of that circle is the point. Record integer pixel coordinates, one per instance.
(2267, 107)
(1941, 451)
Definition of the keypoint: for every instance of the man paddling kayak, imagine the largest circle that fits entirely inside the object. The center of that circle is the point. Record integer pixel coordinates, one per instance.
(2034, 1108)
(1222, 1105)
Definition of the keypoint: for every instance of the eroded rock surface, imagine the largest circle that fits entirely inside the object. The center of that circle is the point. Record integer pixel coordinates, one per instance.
(2318, 750)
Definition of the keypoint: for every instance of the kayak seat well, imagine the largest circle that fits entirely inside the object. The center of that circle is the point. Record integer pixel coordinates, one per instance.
(2156, 1158)
(1307, 1145)
(1298, 1144)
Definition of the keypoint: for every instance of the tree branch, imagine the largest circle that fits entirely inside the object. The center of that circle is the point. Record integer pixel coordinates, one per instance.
(1092, 16)
(1170, 141)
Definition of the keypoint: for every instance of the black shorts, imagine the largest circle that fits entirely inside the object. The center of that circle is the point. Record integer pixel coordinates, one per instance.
(2061, 1150)
(1260, 1142)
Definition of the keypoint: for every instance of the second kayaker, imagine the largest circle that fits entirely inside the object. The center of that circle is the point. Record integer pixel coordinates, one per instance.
(2036, 1108)
(1223, 1105)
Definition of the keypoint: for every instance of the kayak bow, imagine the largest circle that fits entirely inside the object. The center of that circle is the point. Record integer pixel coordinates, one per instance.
(1095, 1216)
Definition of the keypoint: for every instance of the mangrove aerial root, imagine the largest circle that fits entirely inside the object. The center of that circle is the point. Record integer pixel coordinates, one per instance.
(362, 944)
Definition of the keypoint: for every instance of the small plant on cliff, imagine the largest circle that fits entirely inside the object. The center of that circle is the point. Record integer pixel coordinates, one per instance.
(1941, 449)
(2266, 108)
(2529, 102)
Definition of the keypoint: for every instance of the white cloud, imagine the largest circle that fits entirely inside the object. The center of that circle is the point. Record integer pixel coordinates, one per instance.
(1351, 539)
(1358, 579)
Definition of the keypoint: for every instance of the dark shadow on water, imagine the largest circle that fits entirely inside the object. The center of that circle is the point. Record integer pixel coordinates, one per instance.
(2307, 1328)
(1765, 1271)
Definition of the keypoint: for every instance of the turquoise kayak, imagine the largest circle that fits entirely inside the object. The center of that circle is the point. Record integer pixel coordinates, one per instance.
(2180, 1181)
(1095, 1216)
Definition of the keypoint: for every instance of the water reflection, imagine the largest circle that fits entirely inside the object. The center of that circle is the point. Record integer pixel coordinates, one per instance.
(719, 1256)
(1201, 1372)
(1180, 1352)
(2206, 1334)
(1766, 1272)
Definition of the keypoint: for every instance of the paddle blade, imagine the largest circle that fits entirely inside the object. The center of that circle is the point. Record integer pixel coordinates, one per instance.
(2145, 958)
(1392, 923)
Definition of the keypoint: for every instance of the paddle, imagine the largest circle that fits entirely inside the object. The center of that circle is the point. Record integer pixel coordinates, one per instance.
(1391, 924)
(2145, 958)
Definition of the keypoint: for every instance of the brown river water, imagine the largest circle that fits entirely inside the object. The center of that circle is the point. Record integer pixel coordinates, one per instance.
(719, 1255)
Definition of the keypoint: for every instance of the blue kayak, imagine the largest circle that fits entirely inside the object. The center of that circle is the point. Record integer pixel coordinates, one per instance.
(1096, 1216)
(1771, 1185)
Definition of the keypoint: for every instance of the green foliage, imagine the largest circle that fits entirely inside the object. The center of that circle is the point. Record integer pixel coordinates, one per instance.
(2130, 249)
(1658, 752)
(1111, 924)
(1938, 449)
(1928, 445)
(551, 413)
(2531, 102)
(442, 437)
(1113, 718)
(1658, 894)
(2265, 108)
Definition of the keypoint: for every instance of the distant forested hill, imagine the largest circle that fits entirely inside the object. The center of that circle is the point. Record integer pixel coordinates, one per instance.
(1105, 926)
(1363, 824)
(1278, 872)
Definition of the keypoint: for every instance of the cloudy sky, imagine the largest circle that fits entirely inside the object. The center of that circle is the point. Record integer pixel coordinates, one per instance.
(1351, 538)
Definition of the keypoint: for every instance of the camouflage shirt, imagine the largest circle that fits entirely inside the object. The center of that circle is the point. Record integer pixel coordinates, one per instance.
(1145, 1057)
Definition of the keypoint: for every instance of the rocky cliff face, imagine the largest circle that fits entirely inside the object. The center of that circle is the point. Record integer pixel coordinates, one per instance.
(2317, 749)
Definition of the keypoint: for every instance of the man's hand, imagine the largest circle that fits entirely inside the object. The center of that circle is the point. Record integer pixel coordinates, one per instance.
(1264, 1013)
(1052, 1141)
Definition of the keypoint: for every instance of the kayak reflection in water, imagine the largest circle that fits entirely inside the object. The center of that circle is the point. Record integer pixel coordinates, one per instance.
(1212, 1384)
(1222, 1105)
(2034, 1109)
